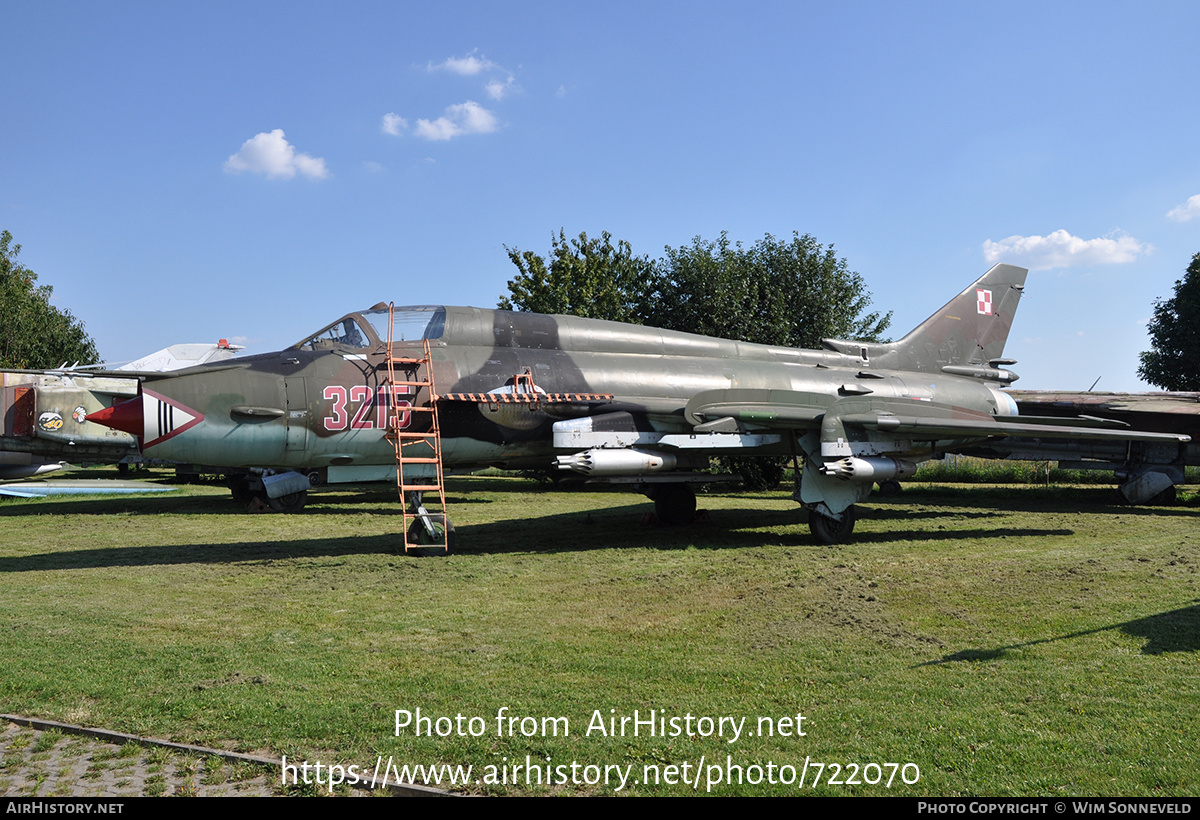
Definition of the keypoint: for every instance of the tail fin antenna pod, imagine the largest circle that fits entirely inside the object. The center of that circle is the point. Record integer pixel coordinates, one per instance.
(970, 330)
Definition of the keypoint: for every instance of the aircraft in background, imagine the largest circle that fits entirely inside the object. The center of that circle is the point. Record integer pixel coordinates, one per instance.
(1146, 471)
(177, 357)
(43, 414)
(403, 393)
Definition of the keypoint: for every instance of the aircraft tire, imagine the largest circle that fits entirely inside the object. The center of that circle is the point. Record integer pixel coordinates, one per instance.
(675, 504)
(290, 503)
(830, 531)
(889, 488)
(1164, 499)
(417, 534)
(239, 488)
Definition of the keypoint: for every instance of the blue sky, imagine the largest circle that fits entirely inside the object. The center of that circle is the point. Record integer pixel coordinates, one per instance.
(182, 172)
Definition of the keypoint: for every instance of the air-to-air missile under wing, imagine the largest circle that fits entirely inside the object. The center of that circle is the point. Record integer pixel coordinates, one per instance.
(602, 399)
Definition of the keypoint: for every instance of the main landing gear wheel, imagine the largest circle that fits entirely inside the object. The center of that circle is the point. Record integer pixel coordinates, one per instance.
(239, 488)
(417, 534)
(890, 488)
(290, 503)
(829, 530)
(1164, 499)
(675, 503)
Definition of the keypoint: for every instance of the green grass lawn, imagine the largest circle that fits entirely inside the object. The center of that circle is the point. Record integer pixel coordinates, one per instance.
(1005, 641)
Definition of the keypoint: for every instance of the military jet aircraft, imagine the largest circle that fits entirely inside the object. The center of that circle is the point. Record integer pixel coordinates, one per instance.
(599, 399)
(1146, 472)
(42, 413)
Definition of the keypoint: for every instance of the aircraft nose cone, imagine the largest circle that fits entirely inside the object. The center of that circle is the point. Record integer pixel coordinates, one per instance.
(152, 417)
(125, 416)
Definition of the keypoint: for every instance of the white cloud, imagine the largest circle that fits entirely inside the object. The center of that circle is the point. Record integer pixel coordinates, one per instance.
(1062, 250)
(274, 156)
(393, 124)
(465, 118)
(1187, 210)
(500, 84)
(312, 167)
(499, 90)
(467, 66)
(373, 167)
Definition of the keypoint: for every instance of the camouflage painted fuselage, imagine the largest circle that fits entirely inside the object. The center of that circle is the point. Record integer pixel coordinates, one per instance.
(322, 403)
(613, 401)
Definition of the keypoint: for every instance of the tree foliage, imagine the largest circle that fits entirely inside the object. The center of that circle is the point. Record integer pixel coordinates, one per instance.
(33, 333)
(791, 293)
(1174, 361)
(775, 292)
(582, 277)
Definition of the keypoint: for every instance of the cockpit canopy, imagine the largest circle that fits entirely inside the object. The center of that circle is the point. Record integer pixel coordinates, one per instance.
(368, 329)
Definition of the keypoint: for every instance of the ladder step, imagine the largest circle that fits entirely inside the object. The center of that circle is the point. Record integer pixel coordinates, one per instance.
(417, 373)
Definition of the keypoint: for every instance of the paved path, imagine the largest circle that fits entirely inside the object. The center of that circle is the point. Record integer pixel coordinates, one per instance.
(41, 758)
(51, 763)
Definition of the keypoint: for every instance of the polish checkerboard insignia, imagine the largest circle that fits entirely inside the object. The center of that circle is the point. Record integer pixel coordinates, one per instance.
(983, 299)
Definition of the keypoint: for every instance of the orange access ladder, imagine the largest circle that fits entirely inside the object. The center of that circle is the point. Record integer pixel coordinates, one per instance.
(422, 529)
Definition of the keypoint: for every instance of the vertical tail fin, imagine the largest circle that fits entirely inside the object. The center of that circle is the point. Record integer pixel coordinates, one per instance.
(968, 332)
